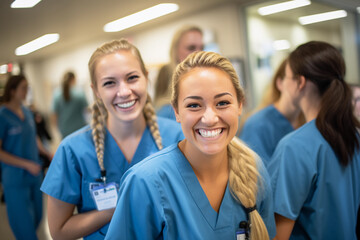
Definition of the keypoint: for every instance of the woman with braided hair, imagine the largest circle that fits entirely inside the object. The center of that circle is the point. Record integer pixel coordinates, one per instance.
(315, 169)
(207, 185)
(88, 165)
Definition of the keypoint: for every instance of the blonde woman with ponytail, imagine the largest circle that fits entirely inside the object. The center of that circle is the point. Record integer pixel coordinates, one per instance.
(209, 184)
(87, 167)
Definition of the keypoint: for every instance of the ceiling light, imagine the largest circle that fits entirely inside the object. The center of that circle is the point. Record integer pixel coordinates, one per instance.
(36, 44)
(281, 45)
(280, 7)
(140, 17)
(322, 17)
(24, 3)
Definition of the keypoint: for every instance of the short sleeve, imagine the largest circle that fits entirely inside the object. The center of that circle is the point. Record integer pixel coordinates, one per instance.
(292, 174)
(139, 214)
(63, 179)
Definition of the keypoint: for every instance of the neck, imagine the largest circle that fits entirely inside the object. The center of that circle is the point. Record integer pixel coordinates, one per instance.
(15, 105)
(206, 167)
(121, 130)
(288, 110)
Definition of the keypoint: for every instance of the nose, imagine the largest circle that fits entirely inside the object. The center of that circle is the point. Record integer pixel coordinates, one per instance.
(210, 117)
(124, 90)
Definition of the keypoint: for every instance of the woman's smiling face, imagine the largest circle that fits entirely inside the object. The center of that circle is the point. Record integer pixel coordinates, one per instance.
(121, 85)
(208, 109)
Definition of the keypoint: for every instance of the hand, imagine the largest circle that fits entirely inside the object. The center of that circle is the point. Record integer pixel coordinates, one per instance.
(33, 168)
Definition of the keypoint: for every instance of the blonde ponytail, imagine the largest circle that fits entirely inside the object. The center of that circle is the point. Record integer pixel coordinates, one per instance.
(151, 122)
(244, 181)
(98, 122)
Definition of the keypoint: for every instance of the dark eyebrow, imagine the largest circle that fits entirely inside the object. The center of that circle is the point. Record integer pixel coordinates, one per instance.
(222, 94)
(216, 96)
(130, 73)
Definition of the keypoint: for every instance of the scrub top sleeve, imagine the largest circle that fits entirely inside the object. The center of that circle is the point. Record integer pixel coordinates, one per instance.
(139, 213)
(292, 176)
(63, 179)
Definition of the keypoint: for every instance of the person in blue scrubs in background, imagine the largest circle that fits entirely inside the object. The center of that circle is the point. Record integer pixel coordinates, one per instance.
(315, 169)
(206, 185)
(186, 40)
(88, 164)
(275, 117)
(20, 163)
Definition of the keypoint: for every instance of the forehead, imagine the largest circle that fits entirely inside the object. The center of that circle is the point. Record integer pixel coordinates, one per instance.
(190, 36)
(204, 81)
(120, 59)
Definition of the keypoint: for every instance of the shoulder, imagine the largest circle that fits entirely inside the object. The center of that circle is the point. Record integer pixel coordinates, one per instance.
(170, 130)
(155, 165)
(261, 118)
(81, 137)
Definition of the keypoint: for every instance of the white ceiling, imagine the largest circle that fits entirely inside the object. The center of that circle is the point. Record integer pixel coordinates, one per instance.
(82, 21)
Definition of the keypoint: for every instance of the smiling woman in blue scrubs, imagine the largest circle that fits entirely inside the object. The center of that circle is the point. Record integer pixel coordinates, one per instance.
(88, 164)
(315, 170)
(20, 163)
(206, 185)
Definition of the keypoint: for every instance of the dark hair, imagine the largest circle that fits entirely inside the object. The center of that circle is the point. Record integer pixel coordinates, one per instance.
(323, 65)
(11, 85)
(67, 80)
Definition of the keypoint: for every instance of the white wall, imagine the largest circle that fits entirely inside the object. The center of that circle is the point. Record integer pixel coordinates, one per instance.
(154, 44)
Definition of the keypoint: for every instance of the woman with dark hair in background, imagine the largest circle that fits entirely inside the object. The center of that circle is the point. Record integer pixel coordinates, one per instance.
(20, 163)
(315, 169)
(69, 106)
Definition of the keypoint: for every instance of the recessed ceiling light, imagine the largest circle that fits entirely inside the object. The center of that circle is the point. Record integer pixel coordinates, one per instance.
(322, 17)
(24, 3)
(284, 6)
(140, 17)
(36, 44)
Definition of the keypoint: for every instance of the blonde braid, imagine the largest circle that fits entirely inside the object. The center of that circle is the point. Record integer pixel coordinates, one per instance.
(243, 181)
(99, 116)
(151, 121)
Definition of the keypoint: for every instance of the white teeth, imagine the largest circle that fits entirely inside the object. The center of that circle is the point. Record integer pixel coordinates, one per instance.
(126, 105)
(209, 134)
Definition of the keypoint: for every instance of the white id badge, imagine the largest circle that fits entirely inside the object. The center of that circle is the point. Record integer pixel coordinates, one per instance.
(105, 196)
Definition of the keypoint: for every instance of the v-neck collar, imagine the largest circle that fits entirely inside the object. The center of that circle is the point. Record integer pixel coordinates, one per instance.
(144, 149)
(16, 115)
(215, 220)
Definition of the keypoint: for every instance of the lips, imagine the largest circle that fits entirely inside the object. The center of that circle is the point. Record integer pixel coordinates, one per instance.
(126, 104)
(210, 133)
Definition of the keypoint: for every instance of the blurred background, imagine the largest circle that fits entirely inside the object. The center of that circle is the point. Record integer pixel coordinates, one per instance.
(254, 41)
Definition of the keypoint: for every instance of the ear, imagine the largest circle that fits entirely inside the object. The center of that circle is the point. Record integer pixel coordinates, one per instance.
(96, 93)
(301, 82)
(240, 109)
(176, 111)
(278, 83)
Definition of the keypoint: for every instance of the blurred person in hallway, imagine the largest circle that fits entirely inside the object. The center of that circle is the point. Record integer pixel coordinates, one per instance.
(185, 41)
(69, 106)
(20, 163)
(275, 117)
(355, 89)
(89, 163)
(315, 169)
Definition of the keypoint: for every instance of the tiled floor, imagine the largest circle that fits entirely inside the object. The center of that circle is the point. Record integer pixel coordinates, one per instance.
(5, 231)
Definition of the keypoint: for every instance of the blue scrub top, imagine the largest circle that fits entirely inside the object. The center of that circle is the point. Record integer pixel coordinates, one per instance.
(75, 165)
(161, 198)
(18, 138)
(166, 111)
(263, 130)
(312, 187)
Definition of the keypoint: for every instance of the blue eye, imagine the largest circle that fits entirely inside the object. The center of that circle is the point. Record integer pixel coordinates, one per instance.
(192, 105)
(107, 83)
(133, 78)
(223, 103)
